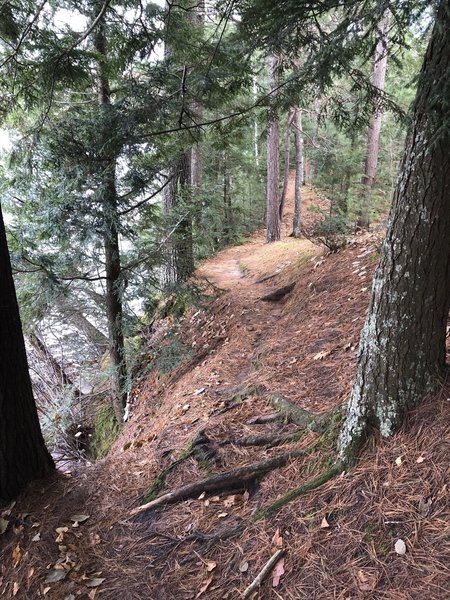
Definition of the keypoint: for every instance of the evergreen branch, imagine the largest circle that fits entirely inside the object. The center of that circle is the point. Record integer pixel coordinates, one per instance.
(138, 204)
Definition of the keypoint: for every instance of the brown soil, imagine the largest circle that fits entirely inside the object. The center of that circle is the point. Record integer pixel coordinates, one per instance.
(339, 539)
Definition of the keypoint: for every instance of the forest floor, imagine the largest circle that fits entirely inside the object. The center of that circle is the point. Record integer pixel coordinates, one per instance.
(207, 376)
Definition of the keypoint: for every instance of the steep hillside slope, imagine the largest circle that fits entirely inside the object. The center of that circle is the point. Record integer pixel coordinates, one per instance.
(207, 408)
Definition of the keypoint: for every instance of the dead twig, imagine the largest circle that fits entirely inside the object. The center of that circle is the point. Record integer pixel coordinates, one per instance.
(265, 571)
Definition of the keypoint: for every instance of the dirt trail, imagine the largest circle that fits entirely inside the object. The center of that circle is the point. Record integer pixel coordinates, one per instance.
(240, 266)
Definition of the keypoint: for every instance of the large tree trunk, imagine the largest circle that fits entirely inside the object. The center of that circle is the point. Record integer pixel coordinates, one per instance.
(373, 134)
(23, 455)
(114, 286)
(297, 224)
(402, 349)
(273, 135)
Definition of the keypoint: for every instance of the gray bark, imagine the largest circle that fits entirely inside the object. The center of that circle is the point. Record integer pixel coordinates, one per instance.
(402, 349)
(273, 135)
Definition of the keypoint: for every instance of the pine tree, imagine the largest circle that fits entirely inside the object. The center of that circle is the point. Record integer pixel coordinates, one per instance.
(402, 349)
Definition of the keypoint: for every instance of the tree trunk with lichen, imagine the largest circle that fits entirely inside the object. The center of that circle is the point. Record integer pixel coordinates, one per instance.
(402, 349)
(297, 222)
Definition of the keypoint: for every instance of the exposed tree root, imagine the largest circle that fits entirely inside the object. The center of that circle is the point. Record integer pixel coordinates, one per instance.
(268, 441)
(237, 478)
(313, 484)
(263, 419)
(295, 414)
(236, 396)
(199, 448)
(279, 294)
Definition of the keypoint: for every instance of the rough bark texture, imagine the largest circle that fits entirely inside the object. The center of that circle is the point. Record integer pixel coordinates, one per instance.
(297, 223)
(287, 158)
(114, 309)
(373, 134)
(178, 249)
(23, 455)
(76, 317)
(402, 349)
(227, 208)
(273, 135)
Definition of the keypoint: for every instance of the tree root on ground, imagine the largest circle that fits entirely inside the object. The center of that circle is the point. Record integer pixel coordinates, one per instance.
(238, 478)
(309, 486)
(199, 448)
(268, 441)
(295, 414)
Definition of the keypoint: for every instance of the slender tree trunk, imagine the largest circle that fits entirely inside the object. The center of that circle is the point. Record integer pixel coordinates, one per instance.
(255, 125)
(402, 349)
(297, 224)
(273, 169)
(23, 455)
(373, 134)
(227, 210)
(114, 286)
(287, 159)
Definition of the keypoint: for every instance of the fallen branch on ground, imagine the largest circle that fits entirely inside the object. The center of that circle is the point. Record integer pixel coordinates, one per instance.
(234, 479)
(265, 571)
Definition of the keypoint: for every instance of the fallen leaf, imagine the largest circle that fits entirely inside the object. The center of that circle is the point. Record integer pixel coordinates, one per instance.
(400, 547)
(3, 525)
(322, 354)
(324, 523)
(246, 496)
(79, 518)
(95, 582)
(243, 567)
(46, 590)
(205, 586)
(210, 565)
(215, 499)
(222, 515)
(420, 460)
(277, 540)
(278, 572)
(231, 500)
(92, 594)
(398, 461)
(36, 538)
(16, 556)
(55, 575)
(366, 582)
(16, 587)
(202, 495)
(61, 531)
